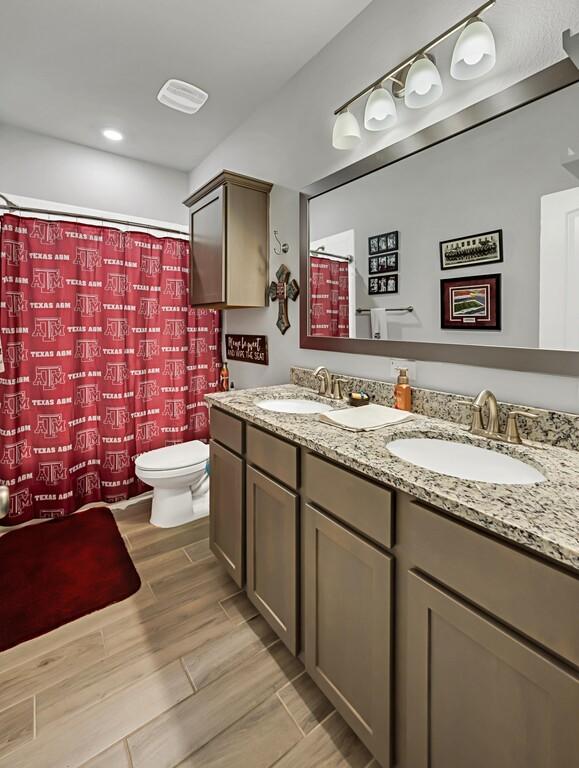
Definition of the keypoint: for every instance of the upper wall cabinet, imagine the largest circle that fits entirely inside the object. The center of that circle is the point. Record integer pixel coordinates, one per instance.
(229, 242)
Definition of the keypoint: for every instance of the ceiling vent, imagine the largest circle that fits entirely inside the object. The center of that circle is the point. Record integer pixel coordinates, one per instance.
(177, 94)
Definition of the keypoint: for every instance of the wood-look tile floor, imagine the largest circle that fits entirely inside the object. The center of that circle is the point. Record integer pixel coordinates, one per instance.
(183, 673)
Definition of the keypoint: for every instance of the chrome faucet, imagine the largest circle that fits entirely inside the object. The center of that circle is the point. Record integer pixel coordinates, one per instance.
(330, 386)
(492, 430)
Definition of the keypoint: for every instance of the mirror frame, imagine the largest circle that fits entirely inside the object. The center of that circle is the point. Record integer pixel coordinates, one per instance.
(559, 362)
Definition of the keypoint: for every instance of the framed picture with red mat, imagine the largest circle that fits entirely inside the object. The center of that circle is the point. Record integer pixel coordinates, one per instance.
(471, 303)
(59, 570)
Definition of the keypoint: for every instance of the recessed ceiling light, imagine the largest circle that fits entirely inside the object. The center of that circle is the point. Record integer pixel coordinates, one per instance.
(112, 135)
(185, 97)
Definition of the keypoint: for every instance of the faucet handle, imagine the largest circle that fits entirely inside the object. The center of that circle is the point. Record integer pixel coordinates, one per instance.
(512, 434)
(476, 423)
(337, 391)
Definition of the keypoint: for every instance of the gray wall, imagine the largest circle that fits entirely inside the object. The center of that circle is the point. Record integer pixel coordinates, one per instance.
(39, 166)
(287, 141)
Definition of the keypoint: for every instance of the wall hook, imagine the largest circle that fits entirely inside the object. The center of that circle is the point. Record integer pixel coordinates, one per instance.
(283, 247)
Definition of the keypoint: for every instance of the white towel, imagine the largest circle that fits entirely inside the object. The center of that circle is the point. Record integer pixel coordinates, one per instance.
(378, 324)
(365, 417)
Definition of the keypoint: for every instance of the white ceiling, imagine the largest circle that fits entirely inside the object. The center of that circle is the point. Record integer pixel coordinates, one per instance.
(298, 149)
(70, 68)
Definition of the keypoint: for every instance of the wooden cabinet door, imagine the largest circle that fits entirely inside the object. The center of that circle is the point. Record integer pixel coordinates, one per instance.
(348, 632)
(272, 546)
(207, 266)
(479, 695)
(227, 510)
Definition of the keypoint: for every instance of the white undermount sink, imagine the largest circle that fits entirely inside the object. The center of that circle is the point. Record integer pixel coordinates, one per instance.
(467, 462)
(294, 406)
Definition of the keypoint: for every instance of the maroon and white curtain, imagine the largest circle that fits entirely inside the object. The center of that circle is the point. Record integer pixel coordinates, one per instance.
(103, 359)
(329, 297)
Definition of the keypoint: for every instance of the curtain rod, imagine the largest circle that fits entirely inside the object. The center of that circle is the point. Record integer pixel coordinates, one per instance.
(322, 252)
(13, 207)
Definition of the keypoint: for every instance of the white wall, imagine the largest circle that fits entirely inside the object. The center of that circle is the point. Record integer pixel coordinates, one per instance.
(287, 141)
(42, 167)
(559, 309)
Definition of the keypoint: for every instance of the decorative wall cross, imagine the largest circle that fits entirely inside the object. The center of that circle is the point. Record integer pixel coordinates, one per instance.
(281, 292)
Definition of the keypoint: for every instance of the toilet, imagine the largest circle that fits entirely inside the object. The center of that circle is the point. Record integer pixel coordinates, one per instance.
(179, 477)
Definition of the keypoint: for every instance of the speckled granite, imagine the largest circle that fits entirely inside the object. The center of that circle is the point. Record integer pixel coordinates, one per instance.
(543, 517)
(552, 427)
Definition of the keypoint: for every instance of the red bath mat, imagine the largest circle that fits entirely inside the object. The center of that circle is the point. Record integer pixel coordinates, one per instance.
(58, 571)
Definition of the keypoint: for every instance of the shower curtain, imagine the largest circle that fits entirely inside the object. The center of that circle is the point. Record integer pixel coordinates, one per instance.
(103, 359)
(329, 297)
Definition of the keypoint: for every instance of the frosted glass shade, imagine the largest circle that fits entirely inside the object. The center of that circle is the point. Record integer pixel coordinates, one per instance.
(380, 110)
(474, 53)
(423, 84)
(346, 133)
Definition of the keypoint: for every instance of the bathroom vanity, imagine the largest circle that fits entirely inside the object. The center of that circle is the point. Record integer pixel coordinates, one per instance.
(439, 616)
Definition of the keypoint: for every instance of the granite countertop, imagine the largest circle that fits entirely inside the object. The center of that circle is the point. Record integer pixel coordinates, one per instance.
(543, 517)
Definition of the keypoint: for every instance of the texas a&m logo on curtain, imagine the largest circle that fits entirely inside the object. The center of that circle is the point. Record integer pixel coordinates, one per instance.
(103, 360)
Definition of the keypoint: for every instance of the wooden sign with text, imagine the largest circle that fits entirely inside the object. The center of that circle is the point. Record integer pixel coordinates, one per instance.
(246, 348)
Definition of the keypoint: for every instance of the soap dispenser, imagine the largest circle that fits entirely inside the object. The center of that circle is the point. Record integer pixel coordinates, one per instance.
(403, 392)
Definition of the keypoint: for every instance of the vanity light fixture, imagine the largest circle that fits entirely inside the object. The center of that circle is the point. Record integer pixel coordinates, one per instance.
(112, 135)
(346, 132)
(418, 80)
(475, 52)
(423, 84)
(380, 112)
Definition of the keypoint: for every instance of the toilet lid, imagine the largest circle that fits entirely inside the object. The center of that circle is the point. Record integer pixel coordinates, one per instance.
(174, 456)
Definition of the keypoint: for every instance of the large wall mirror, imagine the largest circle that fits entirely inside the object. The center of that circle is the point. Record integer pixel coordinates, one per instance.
(461, 244)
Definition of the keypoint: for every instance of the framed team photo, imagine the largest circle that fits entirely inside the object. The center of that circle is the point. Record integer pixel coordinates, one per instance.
(486, 248)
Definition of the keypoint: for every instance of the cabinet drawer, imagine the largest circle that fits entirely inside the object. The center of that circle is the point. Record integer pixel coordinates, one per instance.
(536, 599)
(274, 456)
(226, 429)
(361, 504)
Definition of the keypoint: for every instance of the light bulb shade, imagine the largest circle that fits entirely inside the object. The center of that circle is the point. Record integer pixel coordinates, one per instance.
(380, 110)
(423, 84)
(346, 133)
(474, 53)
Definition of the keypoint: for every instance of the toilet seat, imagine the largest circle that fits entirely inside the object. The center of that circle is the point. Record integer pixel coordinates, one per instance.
(173, 459)
(161, 474)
